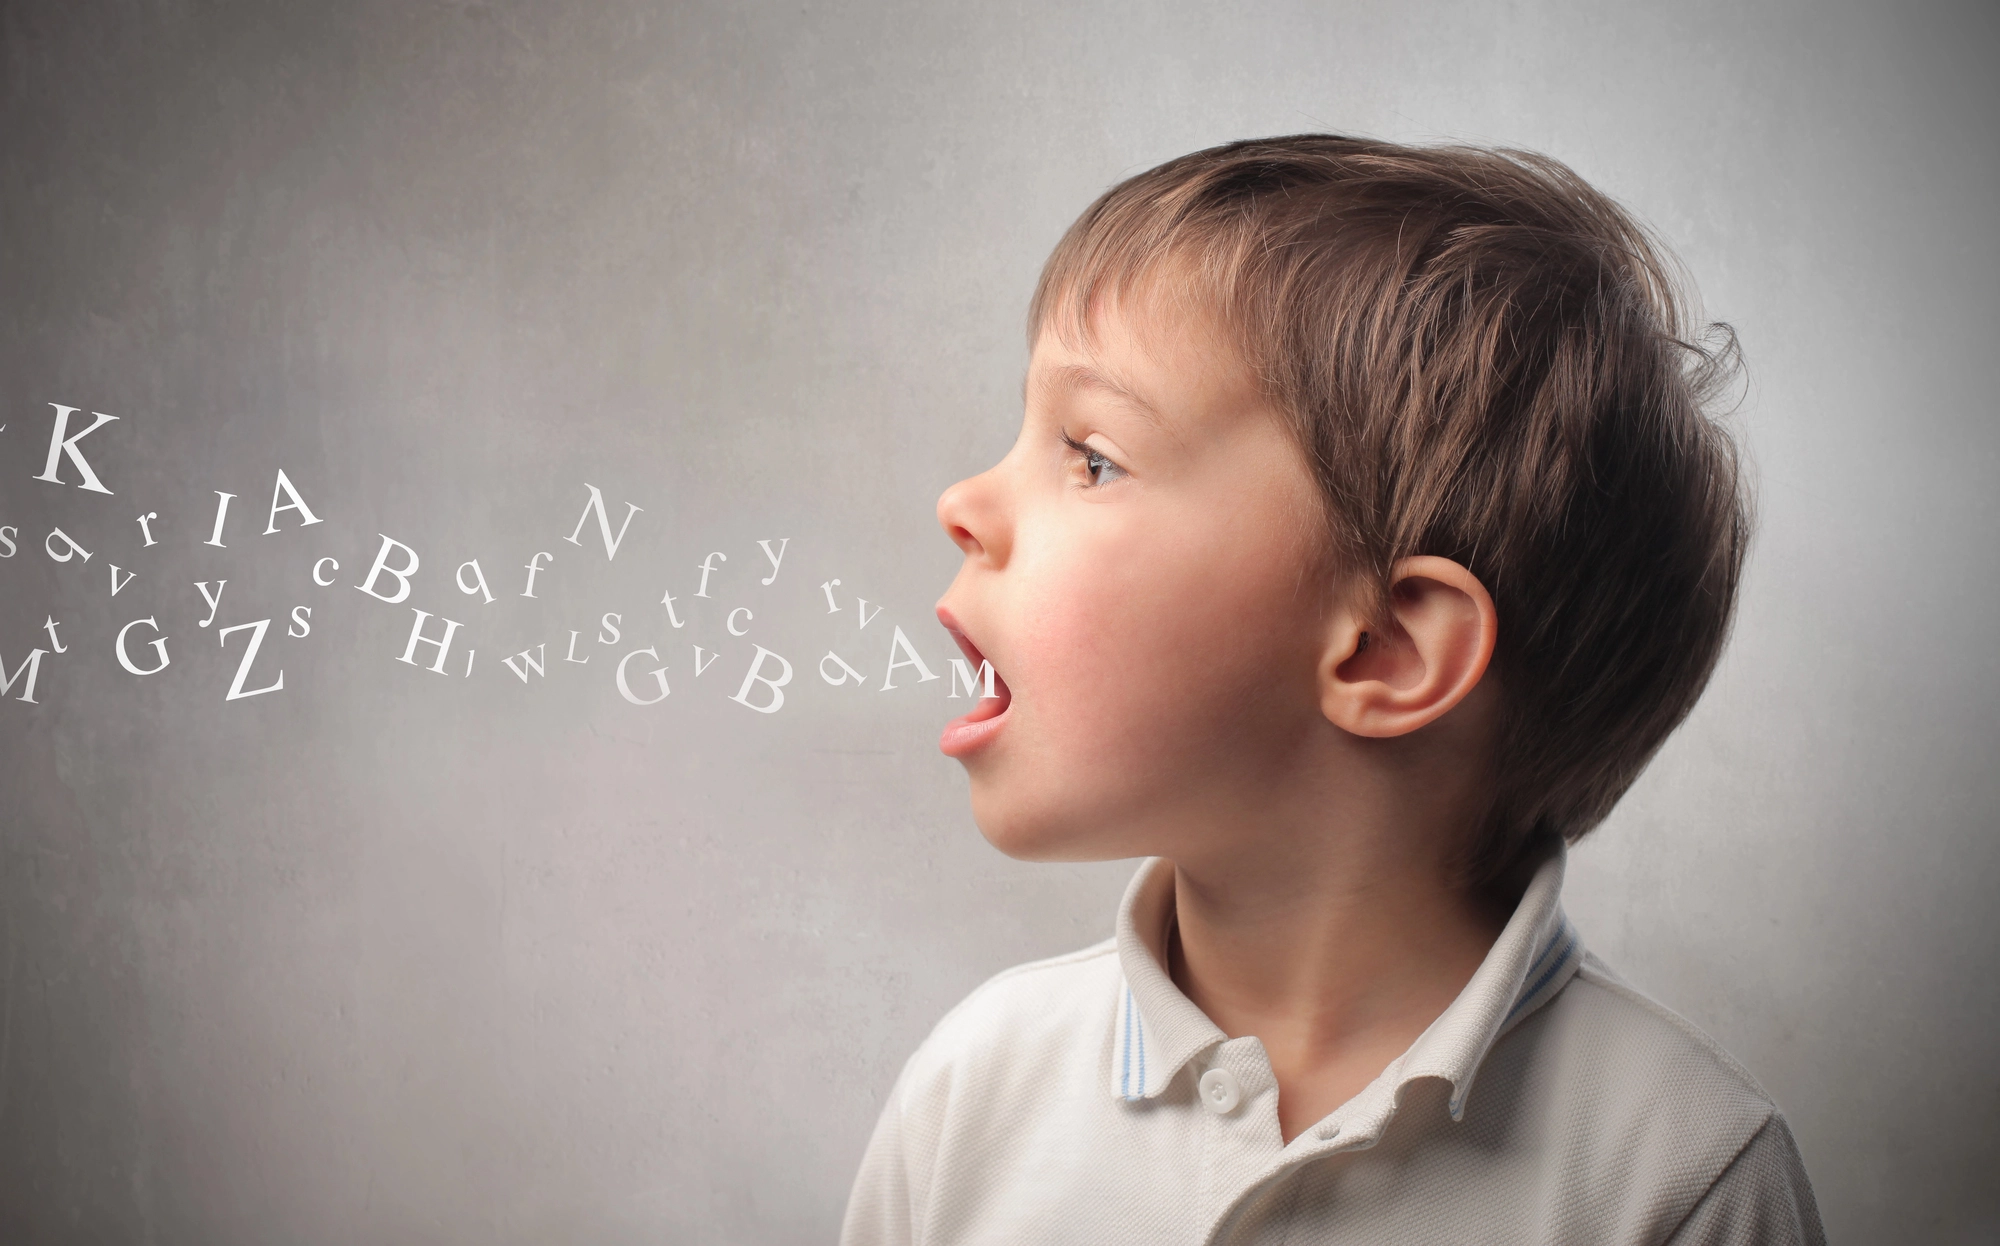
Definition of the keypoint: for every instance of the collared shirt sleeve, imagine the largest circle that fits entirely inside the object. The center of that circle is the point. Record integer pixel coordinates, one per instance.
(1763, 1197)
(878, 1208)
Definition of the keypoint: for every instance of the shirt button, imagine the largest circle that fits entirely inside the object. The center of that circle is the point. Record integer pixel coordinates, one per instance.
(1220, 1091)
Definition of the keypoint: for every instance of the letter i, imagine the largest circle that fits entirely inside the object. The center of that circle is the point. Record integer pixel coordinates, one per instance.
(221, 510)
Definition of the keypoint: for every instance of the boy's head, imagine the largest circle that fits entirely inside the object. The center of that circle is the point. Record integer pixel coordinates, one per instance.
(1348, 470)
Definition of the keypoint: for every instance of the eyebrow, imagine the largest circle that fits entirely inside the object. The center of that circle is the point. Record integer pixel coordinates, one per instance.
(1071, 378)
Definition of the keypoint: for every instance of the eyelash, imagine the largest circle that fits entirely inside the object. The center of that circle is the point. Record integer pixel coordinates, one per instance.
(1093, 460)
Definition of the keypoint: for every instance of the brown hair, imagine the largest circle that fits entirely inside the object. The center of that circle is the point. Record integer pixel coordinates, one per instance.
(1485, 359)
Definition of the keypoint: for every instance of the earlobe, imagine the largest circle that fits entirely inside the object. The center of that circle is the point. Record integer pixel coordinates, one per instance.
(1391, 676)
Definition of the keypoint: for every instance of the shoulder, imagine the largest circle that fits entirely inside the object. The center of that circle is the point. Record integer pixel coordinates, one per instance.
(1053, 1009)
(1647, 1112)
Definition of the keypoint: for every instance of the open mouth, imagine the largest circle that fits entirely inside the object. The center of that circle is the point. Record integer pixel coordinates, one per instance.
(970, 731)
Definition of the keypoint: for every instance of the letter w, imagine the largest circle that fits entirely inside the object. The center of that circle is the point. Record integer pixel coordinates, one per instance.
(529, 662)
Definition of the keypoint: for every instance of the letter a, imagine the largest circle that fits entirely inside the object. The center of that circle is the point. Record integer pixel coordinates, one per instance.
(60, 445)
(902, 642)
(297, 503)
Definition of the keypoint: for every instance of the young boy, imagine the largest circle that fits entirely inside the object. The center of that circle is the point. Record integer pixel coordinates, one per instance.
(1364, 538)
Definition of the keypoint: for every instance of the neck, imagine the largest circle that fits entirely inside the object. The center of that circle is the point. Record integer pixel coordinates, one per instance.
(1336, 949)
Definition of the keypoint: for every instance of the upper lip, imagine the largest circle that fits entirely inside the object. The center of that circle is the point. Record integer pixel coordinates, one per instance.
(965, 645)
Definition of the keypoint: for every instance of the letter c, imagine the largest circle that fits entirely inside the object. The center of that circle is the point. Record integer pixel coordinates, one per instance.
(321, 563)
(730, 622)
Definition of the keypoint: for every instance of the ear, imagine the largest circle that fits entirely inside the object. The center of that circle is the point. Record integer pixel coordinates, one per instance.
(1414, 666)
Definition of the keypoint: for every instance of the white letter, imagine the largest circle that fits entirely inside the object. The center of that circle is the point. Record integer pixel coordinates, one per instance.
(706, 567)
(527, 663)
(900, 641)
(847, 670)
(213, 602)
(609, 623)
(596, 503)
(866, 618)
(117, 583)
(31, 664)
(159, 647)
(775, 558)
(730, 622)
(145, 529)
(60, 445)
(302, 620)
(962, 670)
(382, 564)
(7, 534)
(478, 584)
(221, 509)
(742, 696)
(297, 503)
(827, 588)
(534, 565)
(659, 673)
(50, 628)
(236, 692)
(417, 637)
(571, 656)
(48, 545)
(699, 665)
(321, 563)
(668, 602)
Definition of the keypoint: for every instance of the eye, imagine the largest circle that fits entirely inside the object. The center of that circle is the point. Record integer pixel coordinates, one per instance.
(1099, 469)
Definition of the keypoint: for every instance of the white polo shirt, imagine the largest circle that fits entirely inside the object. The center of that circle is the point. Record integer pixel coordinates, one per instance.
(1085, 1099)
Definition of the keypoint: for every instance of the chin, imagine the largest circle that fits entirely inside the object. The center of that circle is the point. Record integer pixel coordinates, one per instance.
(1052, 830)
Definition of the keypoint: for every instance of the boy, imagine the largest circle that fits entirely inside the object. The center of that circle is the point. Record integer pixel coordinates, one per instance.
(1364, 538)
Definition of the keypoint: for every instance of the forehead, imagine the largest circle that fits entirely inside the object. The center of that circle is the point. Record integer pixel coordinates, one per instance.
(1148, 348)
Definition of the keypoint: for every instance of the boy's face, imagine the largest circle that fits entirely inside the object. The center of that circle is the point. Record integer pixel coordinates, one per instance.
(1139, 569)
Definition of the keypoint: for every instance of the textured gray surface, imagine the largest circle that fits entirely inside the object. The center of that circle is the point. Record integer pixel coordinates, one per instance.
(397, 956)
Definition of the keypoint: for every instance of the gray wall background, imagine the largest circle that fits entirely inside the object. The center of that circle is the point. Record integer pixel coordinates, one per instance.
(390, 956)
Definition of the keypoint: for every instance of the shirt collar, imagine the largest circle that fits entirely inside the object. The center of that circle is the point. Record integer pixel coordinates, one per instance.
(1158, 1030)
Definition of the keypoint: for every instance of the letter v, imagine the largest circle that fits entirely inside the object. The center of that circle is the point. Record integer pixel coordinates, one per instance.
(117, 583)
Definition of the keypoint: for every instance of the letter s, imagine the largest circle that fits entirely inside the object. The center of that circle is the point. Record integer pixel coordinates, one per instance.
(7, 535)
(300, 616)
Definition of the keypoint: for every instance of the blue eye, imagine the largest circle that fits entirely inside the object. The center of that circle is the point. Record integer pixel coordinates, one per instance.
(1101, 470)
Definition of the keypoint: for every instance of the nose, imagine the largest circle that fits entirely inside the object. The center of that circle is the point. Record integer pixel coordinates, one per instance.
(971, 514)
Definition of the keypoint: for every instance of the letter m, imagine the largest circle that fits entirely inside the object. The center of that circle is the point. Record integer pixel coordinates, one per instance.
(32, 664)
(962, 675)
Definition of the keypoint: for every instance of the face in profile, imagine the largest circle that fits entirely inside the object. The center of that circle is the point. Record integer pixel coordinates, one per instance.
(1139, 570)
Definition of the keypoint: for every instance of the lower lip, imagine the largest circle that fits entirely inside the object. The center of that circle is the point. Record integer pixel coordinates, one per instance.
(965, 736)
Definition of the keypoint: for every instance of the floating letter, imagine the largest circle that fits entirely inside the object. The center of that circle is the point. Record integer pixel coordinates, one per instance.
(846, 670)
(145, 529)
(221, 509)
(236, 692)
(707, 565)
(382, 564)
(659, 673)
(60, 445)
(213, 601)
(74, 549)
(527, 663)
(417, 637)
(159, 644)
(117, 583)
(776, 686)
(775, 558)
(7, 534)
(571, 655)
(478, 584)
(321, 563)
(962, 670)
(699, 665)
(609, 623)
(861, 608)
(50, 627)
(32, 664)
(668, 602)
(730, 622)
(827, 588)
(534, 565)
(596, 503)
(297, 503)
(302, 620)
(902, 642)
